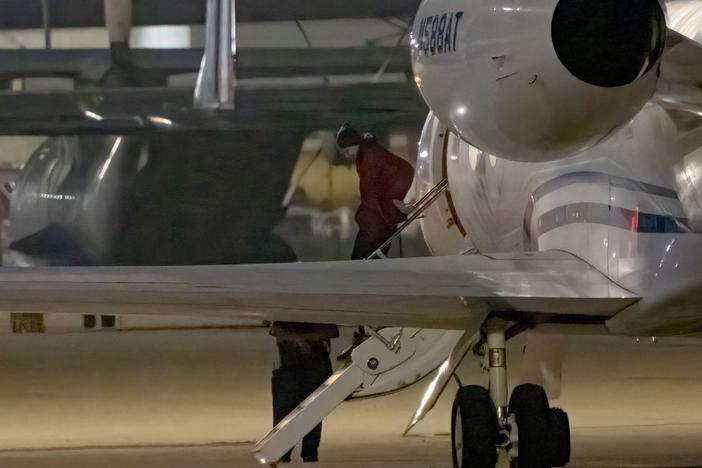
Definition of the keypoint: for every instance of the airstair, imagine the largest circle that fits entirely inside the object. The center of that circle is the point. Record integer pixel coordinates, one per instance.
(375, 369)
(390, 359)
(419, 207)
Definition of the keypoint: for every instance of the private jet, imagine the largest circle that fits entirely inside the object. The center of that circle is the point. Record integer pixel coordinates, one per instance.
(564, 143)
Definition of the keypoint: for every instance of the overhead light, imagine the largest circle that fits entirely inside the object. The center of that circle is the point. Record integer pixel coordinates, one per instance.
(160, 120)
(93, 115)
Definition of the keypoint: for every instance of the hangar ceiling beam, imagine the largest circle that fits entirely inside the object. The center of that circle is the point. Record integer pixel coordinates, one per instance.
(91, 64)
(135, 110)
(27, 14)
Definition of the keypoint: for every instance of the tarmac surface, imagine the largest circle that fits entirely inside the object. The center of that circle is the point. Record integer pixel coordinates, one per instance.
(202, 398)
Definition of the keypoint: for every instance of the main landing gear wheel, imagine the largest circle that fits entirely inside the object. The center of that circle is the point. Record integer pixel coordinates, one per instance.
(473, 429)
(544, 433)
(559, 437)
(529, 405)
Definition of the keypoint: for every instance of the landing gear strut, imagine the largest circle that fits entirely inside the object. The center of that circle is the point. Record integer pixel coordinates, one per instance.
(484, 421)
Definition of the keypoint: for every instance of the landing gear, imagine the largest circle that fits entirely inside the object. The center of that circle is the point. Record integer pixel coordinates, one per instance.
(544, 433)
(474, 433)
(559, 437)
(530, 408)
(534, 435)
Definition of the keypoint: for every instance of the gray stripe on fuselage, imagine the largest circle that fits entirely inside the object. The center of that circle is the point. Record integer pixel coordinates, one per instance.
(600, 177)
(623, 218)
(589, 177)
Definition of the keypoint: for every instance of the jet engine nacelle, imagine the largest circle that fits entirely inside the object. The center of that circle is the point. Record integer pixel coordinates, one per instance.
(540, 79)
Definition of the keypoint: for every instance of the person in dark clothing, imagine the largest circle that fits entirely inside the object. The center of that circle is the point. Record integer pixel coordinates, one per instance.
(385, 179)
(304, 364)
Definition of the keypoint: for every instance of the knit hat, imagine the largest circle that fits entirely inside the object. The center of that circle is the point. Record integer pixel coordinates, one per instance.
(348, 136)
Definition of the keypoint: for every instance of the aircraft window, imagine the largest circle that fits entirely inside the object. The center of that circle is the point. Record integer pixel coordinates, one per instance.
(89, 321)
(107, 321)
(608, 43)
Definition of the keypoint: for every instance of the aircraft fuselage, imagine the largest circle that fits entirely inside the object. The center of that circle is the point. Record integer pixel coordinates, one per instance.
(629, 206)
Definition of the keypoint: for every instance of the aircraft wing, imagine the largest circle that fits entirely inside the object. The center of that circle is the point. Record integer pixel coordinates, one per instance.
(430, 292)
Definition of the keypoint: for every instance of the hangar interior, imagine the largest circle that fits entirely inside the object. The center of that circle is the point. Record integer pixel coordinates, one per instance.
(109, 173)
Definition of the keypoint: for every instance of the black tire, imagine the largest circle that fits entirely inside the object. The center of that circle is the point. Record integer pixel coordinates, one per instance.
(530, 407)
(559, 437)
(473, 443)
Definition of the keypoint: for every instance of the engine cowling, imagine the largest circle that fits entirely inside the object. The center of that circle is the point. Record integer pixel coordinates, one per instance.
(536, 80)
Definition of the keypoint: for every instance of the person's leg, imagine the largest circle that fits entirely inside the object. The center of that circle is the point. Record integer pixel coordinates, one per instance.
(368, 238)
(310, 444)
(373, 230)
(284, 385)
(279, 405)
(317, 371)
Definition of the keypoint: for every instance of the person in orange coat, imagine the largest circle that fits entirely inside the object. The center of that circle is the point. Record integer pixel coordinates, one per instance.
(385, 179)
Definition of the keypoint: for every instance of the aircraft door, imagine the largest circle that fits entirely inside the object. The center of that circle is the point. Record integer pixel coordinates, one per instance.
(442, 229)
